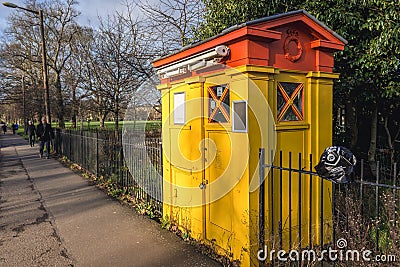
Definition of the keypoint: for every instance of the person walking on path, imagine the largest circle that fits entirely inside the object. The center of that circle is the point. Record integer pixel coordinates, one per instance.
(31, 131)
(44, 133)
(4, 127)
(13, 127)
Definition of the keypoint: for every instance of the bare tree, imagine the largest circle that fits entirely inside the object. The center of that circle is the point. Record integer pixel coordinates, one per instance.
(62, 29)
(23, 49)
(76, 73)
(172, 22)
(89, 75)
(106, 72)
(104, 66)
(19, 58)
(114, 44)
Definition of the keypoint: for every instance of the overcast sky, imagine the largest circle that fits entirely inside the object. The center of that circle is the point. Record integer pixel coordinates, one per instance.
(89, 10)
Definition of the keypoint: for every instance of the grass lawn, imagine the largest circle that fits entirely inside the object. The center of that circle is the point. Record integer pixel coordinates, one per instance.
(139, 125)
(20, 131)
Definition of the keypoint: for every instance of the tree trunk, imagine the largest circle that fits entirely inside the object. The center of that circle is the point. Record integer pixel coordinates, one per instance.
(116, 111)
(351, 124)
(102, 118)
(372, 144)
(81, 128)
(60, 101)
(391, 140)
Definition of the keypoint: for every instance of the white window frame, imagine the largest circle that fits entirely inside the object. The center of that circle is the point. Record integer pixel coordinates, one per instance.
(180, 120)
(233, 117)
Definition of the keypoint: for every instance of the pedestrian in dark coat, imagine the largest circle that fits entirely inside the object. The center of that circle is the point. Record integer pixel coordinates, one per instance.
(31, 130)
(44, 133)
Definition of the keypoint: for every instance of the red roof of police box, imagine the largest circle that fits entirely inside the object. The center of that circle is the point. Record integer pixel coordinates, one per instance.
(270, 41)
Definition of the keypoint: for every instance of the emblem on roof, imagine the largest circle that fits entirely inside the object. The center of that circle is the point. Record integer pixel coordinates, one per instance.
(292, 37)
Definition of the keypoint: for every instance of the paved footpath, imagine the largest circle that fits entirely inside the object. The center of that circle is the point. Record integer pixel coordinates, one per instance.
(50, 216)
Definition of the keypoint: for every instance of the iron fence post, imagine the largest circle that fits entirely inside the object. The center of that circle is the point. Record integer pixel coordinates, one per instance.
(121, 162)
(321, 214)
(261, 169)
(290, 201)
(394, 193)
(271, 194)
(70, 145)
(334, 214)
(377, 207)
(97, 153)
(280, 201)
(300, 207)
(310, 208)
(361, 185)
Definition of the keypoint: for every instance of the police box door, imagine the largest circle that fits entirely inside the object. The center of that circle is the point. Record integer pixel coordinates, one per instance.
(219, 201)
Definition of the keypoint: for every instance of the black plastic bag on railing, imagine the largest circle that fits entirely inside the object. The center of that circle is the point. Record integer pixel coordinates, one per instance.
(336, 164)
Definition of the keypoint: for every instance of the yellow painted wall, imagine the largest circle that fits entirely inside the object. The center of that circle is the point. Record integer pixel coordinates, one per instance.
(230, 223)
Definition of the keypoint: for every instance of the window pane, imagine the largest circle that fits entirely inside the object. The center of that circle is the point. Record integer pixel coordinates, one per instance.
(179, 108)
(289, 87)
(296, 100)
(289, 116)
(239, 116)
(218, 113)
(281, 101)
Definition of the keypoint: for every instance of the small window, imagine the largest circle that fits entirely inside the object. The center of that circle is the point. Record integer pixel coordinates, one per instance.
(218, 103)
(290, 101)
(239, 116)
(179, 108)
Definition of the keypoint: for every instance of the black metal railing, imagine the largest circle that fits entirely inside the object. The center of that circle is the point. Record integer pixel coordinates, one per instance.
(293, 201)
(131, 161)
(283, 225)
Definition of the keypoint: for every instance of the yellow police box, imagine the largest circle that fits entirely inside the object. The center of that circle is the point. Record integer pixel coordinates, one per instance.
(266, 84)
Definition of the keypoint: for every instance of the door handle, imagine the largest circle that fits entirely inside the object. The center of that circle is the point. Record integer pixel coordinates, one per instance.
(203, 184)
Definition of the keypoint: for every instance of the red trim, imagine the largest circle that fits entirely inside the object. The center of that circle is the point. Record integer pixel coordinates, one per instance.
(263, 30)
(224, 39)
(326, 44)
